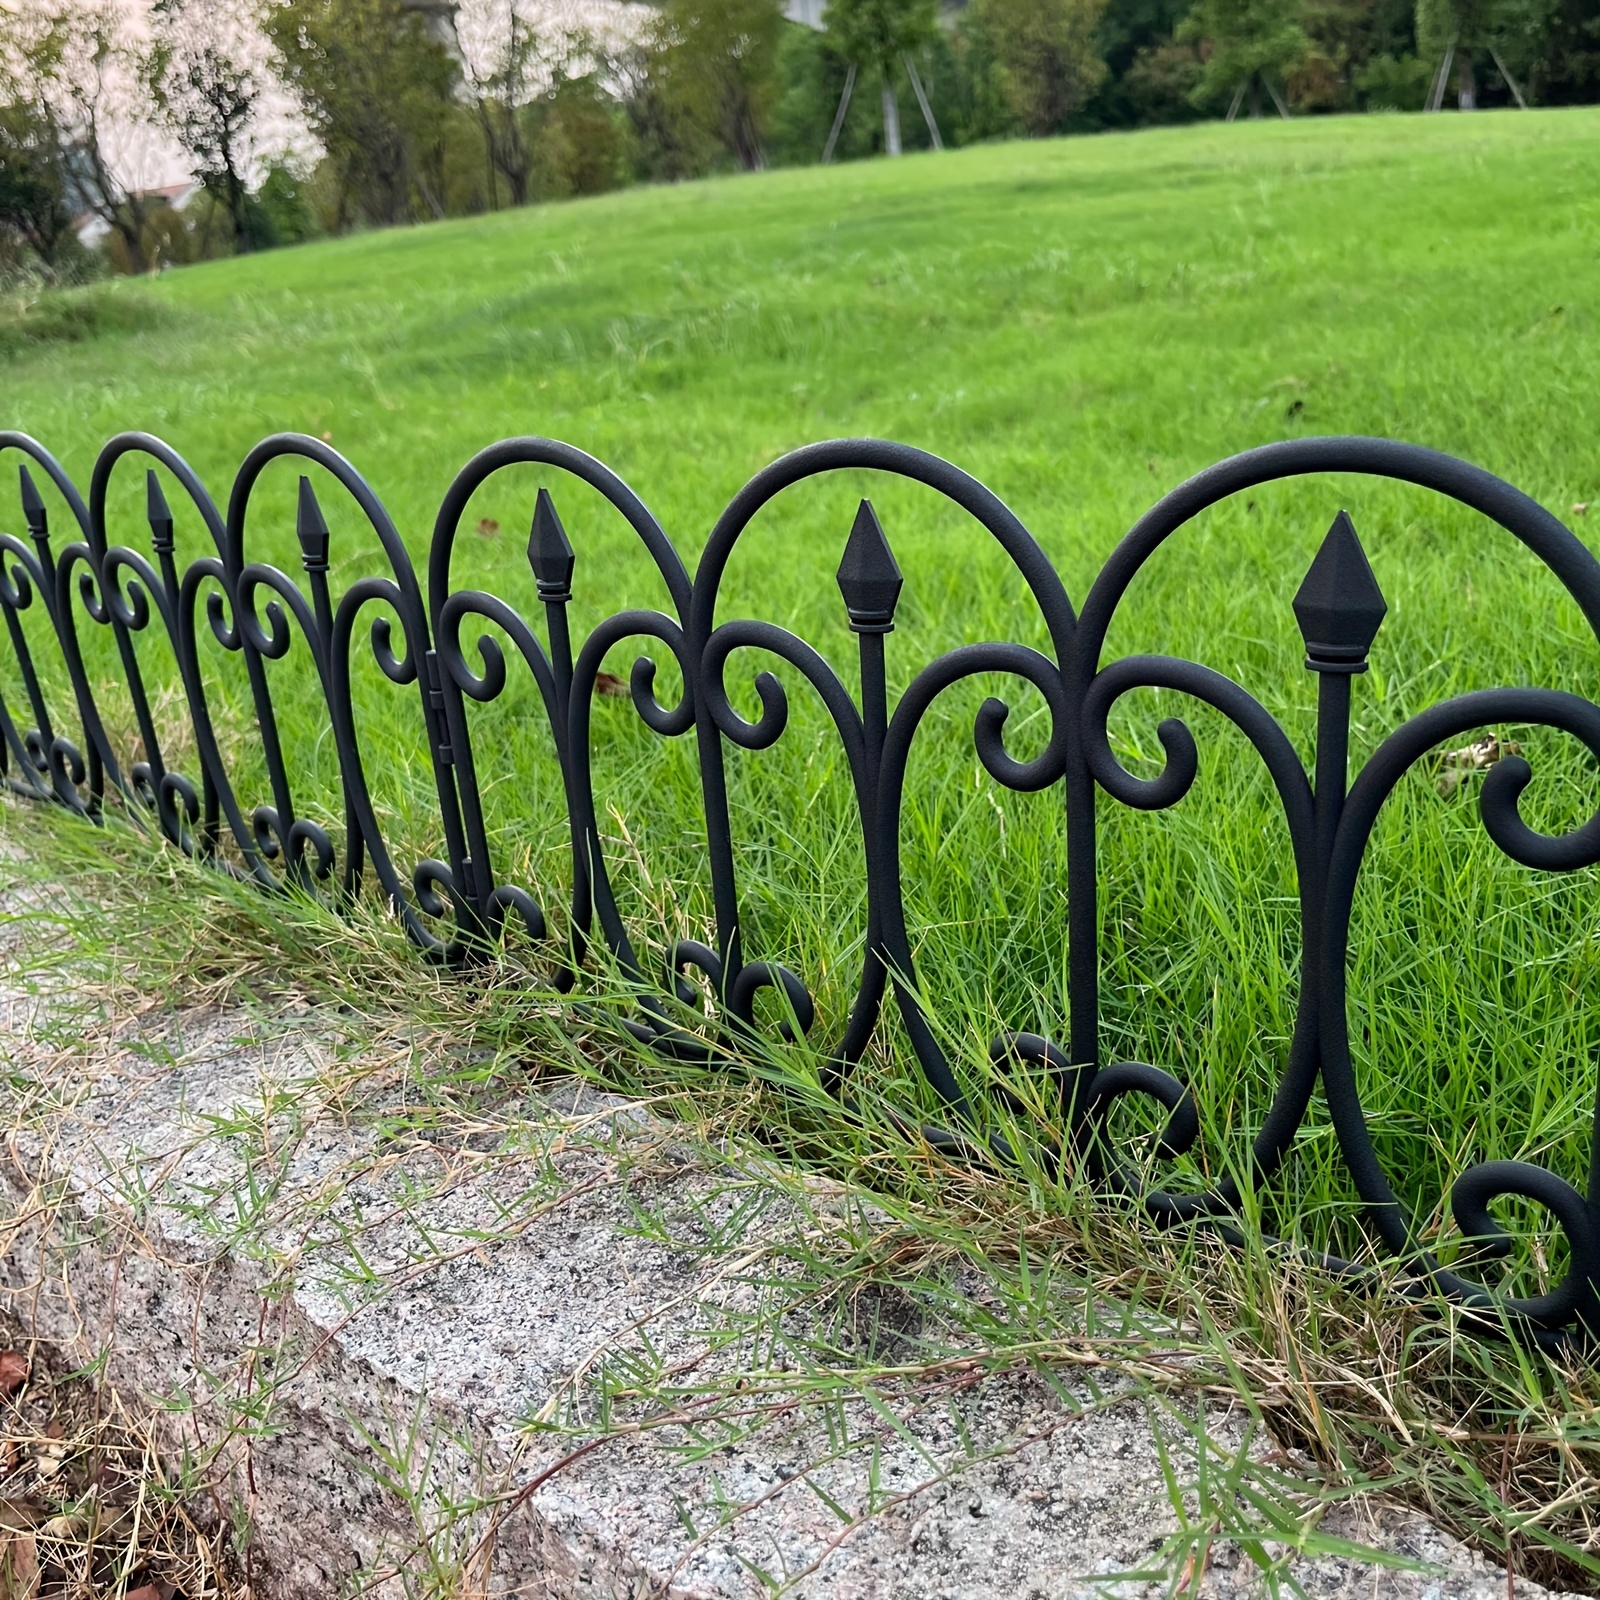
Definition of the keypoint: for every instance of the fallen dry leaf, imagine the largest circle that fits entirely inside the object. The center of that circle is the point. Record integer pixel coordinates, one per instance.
(488, 527)
(13, 1371)
(1579, 507)
(1456, 766)
(17, 1516)
(19, 1567)
(609, 683)
(148, 1591)
(55, 1429)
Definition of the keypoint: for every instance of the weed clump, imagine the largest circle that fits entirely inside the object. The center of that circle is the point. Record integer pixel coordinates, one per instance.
(33, 317)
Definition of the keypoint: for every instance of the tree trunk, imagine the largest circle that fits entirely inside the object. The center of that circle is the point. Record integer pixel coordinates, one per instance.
(891, 119)
(239, 210)
(922, 101)
(1255, 98)
(131, 227)
(1466, 84)
(838, 116)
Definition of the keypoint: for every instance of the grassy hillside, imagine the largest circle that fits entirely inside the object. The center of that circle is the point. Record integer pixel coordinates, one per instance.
(1080, 323)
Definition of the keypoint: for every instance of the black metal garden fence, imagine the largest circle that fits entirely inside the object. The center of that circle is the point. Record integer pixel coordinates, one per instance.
(252, 609)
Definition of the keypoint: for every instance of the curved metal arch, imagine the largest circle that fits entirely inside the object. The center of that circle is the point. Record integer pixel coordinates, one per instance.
(452, 678)
(58, 756)
(1480, 490)
(898, 460)
(1472, 486)
(886, 944)
(534, 450)
(173, 797)
(276, 828)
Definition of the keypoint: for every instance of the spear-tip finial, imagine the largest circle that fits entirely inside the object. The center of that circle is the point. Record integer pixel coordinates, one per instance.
(869, 577)
(549, 551)
(312, 528)
(1339, 606)
(158, 514)
(33, 506)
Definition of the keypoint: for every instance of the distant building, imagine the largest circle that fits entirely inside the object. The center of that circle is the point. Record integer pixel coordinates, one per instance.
(92, 229)
(440, 15)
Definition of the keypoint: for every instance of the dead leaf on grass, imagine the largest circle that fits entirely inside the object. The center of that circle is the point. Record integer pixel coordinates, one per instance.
(19, 1567)
(13, 1371)
(151, 1591)
(17, 1516)
(609, 683)
(488, 527)
(1580, 507)
(1454, 767)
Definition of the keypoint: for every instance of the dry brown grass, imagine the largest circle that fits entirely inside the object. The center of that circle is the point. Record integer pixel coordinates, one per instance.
(89, 1508)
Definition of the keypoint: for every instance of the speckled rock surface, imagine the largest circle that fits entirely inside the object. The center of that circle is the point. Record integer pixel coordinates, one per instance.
(398, 1352)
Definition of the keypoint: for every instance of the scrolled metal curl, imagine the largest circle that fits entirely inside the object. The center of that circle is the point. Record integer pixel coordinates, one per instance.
(273, 640)
(1469, 1204)
(755, 976)
(434, 885)
(178, 804)
(217, 604)
(773, 719)
(1120, 1079)
(67, 766)
(1502, 819)
(1201, 683)
(668, 721)
(988, 731)
(398, 669)
(684, 955)
(88, 584)
(508, 897)
(304, 832)
(273, 841)
(17, 584)
(491, 682)
(173, 799)
(129, 602)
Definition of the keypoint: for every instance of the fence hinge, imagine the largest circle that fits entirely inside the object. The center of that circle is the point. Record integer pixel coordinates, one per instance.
(430, 663)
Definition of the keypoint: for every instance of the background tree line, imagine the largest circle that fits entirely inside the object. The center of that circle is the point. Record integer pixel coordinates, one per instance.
(422, 109)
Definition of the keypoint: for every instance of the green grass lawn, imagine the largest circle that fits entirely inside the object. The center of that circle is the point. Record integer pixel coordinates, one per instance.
(1081, 324)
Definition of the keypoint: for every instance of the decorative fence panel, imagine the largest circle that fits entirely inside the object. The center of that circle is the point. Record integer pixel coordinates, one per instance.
(457, 909)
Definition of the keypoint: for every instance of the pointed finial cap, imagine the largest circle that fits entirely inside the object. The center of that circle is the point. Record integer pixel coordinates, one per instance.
(312, 528)
(549, 552)
(33, 506)
(869, 576)
(157, 514)
(1339, 607)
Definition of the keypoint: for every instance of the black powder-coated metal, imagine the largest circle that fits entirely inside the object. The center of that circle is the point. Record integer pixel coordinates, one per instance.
(253, 609)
